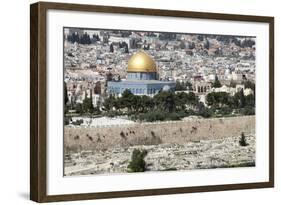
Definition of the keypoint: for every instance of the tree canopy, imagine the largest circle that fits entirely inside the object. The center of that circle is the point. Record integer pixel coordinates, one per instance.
(216, 83)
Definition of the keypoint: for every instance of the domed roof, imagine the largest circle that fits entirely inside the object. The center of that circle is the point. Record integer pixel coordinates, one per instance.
(141, 62)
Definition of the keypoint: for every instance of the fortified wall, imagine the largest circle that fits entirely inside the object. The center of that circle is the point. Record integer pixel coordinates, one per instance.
(98, 138)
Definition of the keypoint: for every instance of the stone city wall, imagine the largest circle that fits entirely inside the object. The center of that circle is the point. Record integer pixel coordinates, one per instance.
(99, 138)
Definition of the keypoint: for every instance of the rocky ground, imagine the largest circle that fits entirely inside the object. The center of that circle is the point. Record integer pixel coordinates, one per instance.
(204, 154)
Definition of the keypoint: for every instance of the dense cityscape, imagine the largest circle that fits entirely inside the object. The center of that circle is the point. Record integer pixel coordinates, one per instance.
(118, 78)
(209, 66)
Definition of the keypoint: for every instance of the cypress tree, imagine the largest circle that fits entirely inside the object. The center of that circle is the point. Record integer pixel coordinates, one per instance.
(217, 83)
(65, 93)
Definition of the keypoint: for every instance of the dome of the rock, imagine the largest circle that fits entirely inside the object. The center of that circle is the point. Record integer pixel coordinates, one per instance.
(141, 79)
(141, 62)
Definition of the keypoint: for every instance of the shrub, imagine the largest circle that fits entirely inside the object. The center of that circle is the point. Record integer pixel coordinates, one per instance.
(66, 120)
(151, 116)
(225, 111)
(159, 116)
(190, 112)
(79, 108)
(137, 163)
(66, 109)
(205, 112)
(174, 116)
(242, 141)
(248, 110)
(78, 122)
(112, 114)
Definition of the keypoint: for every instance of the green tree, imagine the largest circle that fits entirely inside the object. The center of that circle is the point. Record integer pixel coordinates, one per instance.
(204, 111)
(146, 103)
(111, 49)
(137, 163)
(109, 103)
(180, 86)
(87, 104)
(127, 100)
(247, 110)
(250, 100)
(135, 103)
(188, 85)
(65, 93)
(217, 99)
(66, 120)
(210, 99)
(216, 83)
(192, 99)
(181, 100)
(165, 101)
(241, 97)
(242, 140)
(126, 48)
(250, 84)
(79, 108)
(184, 99)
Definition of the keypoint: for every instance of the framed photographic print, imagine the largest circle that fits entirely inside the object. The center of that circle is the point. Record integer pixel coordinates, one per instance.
(135, 102)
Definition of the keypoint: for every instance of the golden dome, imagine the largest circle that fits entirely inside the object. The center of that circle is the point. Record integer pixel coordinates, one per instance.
(141, 62)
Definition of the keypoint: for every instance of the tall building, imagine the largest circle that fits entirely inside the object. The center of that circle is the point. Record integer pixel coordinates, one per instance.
(142, 78)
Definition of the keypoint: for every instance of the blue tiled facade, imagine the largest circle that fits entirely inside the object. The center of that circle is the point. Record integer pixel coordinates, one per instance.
(141, 76)
(140, 83)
